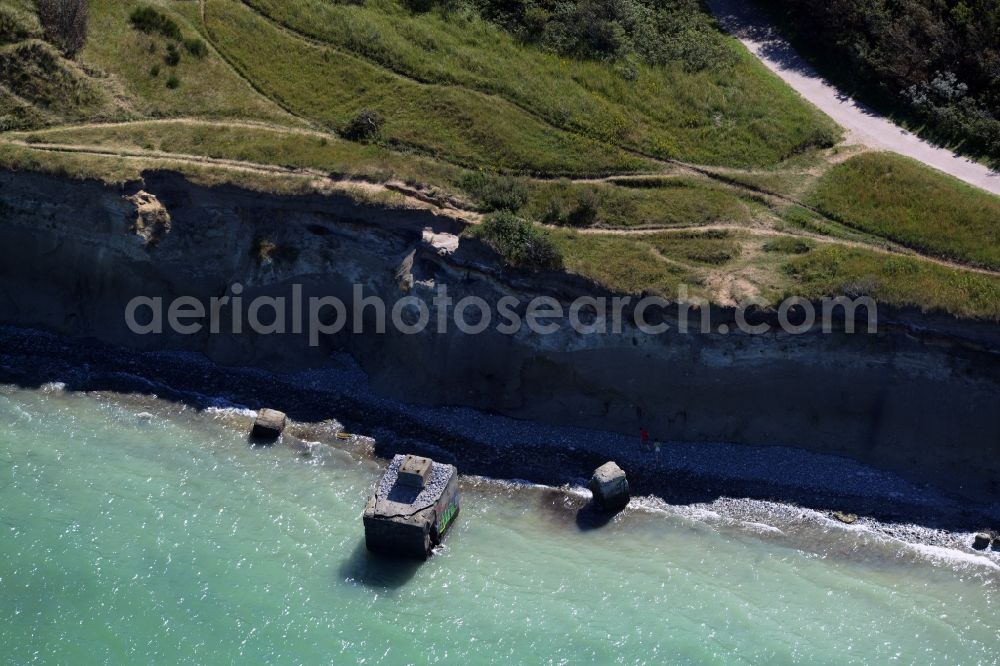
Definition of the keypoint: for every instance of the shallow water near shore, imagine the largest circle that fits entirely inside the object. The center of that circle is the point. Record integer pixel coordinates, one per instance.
(170, 540)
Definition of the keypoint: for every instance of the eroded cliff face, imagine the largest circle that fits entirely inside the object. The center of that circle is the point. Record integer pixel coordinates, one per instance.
(922, 397)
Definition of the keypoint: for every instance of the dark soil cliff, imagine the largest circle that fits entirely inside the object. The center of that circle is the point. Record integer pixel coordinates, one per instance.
(920, 397)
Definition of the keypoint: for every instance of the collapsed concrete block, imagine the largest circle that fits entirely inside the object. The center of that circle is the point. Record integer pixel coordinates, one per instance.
(269, 425)
(610, 487)
(982, 541)
(404, 520)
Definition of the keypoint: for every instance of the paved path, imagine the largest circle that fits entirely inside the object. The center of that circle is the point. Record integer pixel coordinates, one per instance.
(865, 126)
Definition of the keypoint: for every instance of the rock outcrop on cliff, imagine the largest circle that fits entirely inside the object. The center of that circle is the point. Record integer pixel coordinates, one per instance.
(152, 220)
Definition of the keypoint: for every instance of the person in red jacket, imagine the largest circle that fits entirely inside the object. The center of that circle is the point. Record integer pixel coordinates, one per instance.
(644, 439)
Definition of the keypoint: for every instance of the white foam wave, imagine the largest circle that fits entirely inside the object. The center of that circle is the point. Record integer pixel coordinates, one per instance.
(523, 484)
(231, 410)
(944, 556)
(692, 512)
(762, 528)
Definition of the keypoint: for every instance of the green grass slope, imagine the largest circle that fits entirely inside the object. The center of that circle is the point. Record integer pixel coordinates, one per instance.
(734, 114)
(137, 61)
(903, 281)
(16, 113)
(38, 83)
(462, 126)
(901, 200)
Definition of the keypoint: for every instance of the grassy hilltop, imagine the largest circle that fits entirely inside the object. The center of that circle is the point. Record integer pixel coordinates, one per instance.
(631, 142)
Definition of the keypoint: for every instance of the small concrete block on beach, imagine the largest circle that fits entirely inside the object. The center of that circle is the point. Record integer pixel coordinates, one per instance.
(610, 487)
(269, 425)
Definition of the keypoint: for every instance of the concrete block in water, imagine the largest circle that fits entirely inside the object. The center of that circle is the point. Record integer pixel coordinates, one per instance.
(610, 487)
(269, 425)
(403, 520)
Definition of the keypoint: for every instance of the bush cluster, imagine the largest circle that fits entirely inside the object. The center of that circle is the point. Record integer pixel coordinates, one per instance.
(365, 126)
(652, 31)
(936, 61)
(584, 212)
(520, 242)
(149, 20)
(196, 47)
(580, 213)
(789, 245)
(625, 31)
(64, 23)
(15, 25)
(173, 56)
(495, 192)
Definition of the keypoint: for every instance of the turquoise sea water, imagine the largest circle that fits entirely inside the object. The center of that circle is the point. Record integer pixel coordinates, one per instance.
(128, 541)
